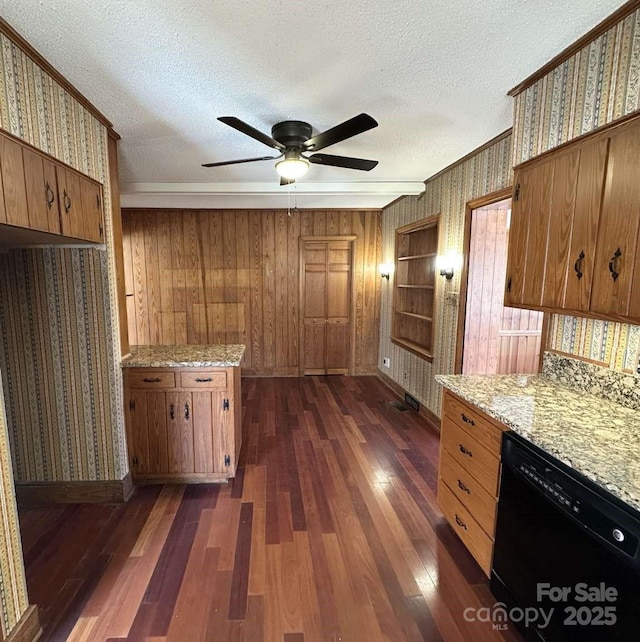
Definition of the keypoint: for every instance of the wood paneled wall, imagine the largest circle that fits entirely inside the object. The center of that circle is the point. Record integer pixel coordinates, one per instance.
(232, 276)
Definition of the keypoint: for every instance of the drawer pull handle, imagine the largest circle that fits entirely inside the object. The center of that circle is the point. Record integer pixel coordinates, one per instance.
(152, 380)
(66, 199)
(460, 523)
(201, 380)
(172, 411)
(186, 411)
(463, 487)
(613, 267)
(49, 195)
(465, 451)
(577, 266)
(467, 420)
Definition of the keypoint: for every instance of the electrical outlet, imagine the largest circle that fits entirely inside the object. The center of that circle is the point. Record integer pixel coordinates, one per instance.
(451, 298)
(386, 362)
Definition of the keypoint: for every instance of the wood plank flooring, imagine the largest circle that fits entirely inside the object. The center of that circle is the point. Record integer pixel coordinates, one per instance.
(330, 531)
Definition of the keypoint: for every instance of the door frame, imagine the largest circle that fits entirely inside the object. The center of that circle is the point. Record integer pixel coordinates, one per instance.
(473, 204)
(353, 240)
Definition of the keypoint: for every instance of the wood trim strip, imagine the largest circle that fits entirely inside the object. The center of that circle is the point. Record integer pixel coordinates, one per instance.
(116, 225)
(471, 154)
(471, 205)
(75, 492)
(44, 64)
(28, 628)
(617, 16)
(432, 419)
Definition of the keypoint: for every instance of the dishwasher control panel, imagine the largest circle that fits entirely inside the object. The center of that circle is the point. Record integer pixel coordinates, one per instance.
(539, 476)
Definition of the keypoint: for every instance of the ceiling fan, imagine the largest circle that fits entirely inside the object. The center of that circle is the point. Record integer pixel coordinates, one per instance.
(292, 138)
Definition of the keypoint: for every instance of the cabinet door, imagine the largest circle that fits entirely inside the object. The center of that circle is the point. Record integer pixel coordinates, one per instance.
(584, 230)
(42, 192)
(147, 417)
(203, 431)
(92, 210)
(71, 216)
(13, 183)
(222, 437)
(518, 230)
(618, 229)
(180, 433)
(137, 435)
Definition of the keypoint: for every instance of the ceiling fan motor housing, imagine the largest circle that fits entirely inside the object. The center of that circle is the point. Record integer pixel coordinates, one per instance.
(291, 133)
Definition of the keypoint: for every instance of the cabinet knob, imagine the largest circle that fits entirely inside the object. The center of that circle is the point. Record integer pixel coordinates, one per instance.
(186, 411)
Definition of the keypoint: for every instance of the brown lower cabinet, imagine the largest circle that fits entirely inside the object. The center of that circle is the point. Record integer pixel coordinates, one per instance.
(469, 474)
(183, 424)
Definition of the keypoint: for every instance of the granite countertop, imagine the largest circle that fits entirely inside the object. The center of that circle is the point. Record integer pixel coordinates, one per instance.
(598, 438)
(184, 356)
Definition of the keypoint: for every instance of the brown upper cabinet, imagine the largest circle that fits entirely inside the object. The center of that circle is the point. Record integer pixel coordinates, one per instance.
(574, 227)
(38, 193)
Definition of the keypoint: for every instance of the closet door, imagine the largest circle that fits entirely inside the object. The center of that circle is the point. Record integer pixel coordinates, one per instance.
(338, 307)
(314, 301)
(326, 266)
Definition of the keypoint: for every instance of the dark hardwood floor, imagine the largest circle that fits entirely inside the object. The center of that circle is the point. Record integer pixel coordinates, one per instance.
(330, 531)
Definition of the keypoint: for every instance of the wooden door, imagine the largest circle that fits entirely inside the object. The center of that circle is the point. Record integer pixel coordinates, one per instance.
(70, 195)
(326, 268)
(314, 293)
(497, 339)
(618, 229)
(180, 433)
(584, 229)
(42, 192)
(338, 307)
(92, 210)
(13, 183)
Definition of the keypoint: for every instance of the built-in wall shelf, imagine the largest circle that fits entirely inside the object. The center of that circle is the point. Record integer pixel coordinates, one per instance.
(414, 287)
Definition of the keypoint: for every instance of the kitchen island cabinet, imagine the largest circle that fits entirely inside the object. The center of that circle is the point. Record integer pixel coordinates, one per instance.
(183, 415)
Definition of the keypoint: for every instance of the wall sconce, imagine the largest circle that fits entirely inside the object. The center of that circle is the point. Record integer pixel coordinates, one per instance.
(447, 264)
(385, 270)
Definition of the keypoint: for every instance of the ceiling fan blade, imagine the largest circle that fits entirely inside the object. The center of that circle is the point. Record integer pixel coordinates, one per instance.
(349, 128)
(287, 181)
(242, 160)
(343, 161)
(243, 127)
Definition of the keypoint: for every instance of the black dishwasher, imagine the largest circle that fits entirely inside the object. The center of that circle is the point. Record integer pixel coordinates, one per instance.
(566, 561)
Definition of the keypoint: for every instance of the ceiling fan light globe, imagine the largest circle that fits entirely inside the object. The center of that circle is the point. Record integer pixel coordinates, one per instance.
(292, 168)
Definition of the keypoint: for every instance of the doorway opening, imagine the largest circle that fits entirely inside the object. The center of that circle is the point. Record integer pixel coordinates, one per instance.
(496, 339)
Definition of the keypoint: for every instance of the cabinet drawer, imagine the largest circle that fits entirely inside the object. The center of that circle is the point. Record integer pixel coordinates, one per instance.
(471, 455)
(473, 537)
(204, 379)
(478, 501)
(150, 379)
(474, 422)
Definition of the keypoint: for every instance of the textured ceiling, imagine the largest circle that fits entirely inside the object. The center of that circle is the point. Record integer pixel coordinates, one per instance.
(433, 73)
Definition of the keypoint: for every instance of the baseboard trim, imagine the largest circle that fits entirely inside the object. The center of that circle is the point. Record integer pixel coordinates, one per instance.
(432, 419)
(28, 628)
(75, 492)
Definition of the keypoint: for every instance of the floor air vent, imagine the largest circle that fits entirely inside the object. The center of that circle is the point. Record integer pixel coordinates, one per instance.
(399, 405)
(412, 402)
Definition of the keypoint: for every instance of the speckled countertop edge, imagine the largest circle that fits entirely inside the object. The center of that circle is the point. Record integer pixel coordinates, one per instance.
(598, 438)
(184, 356)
